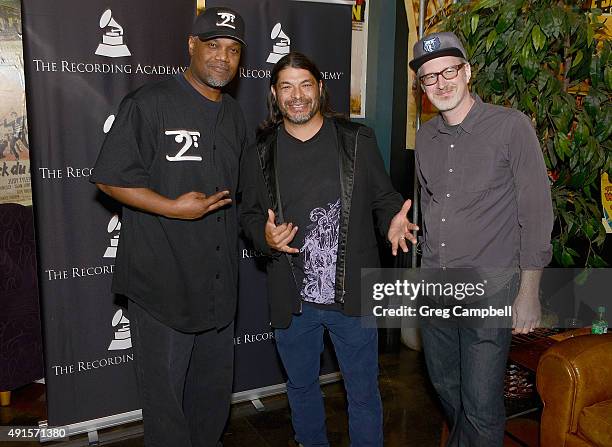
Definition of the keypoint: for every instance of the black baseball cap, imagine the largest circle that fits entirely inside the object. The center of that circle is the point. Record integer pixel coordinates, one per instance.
(218, 21)
(436, 45)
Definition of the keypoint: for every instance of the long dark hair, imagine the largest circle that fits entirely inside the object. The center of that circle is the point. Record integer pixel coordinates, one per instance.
(295, 60)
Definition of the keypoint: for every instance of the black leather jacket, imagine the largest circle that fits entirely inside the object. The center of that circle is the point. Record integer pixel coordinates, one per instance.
(368, 199)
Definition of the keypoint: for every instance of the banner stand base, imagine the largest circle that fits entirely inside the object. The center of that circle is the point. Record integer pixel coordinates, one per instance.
(258, 404)
(92, 426)
(92, 437)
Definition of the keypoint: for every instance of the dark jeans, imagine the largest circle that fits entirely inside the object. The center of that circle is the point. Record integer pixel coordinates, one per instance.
(300, 347)
(467, 368)
(185, 381)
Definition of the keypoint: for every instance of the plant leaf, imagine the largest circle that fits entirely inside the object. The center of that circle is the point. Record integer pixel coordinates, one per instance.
(474, 22)
(491, 39)
(537, 38)
(506, 18)
(597, 261)
(547, 24)
(608, 77)
(577, 58)
(485, 4)
(566, 259)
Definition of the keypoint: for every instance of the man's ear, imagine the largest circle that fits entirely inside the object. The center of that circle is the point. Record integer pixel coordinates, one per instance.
(192, 43)
(273, 90)
(468, 71)
(320, 88)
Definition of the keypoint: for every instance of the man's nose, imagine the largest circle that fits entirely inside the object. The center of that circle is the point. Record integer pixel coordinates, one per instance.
(441, 81)
(222, 55)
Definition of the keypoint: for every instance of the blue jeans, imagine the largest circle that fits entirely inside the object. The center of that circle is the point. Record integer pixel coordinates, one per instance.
(467, 367)
(300, 347)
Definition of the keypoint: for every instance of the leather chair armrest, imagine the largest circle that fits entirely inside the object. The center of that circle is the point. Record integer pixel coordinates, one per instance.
(571, 375)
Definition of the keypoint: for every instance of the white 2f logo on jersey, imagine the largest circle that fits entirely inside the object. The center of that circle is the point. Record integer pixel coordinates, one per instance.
(227, 19)
(189, 138)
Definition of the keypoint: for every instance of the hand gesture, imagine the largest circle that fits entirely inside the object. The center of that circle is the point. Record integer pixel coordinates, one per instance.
(193, 205)
(401, 229)
(280, 236)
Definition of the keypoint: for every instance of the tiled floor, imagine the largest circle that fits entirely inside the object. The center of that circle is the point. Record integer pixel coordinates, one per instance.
(411, 414)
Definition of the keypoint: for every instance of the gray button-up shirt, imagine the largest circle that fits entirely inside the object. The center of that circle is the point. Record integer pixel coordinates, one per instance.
(485, 194)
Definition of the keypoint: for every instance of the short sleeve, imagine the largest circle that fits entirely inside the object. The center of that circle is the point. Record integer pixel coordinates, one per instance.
(128, 150)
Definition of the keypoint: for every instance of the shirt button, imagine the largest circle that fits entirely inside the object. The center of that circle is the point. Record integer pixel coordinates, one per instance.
(450, 170)
(218, 248)
(443, 219)
(452, 146)
(447, 194)
(443, 244)
(217, 276)
(218, 218)
(216, 188)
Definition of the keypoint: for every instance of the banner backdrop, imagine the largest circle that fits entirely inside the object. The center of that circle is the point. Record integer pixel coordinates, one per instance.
(81, 58)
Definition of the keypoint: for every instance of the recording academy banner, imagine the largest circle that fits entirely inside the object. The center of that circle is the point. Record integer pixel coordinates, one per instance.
(81, 58)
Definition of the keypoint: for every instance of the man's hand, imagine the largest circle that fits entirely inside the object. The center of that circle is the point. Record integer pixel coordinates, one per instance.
(526, 310)
(193, 205)
(279, 237)
(525, 314)
(189, 206)
(400, 230)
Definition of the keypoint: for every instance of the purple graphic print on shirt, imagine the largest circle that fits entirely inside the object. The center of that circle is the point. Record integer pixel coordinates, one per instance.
(319, 253)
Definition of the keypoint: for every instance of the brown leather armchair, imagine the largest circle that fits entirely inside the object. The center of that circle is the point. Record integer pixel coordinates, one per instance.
(574, 379)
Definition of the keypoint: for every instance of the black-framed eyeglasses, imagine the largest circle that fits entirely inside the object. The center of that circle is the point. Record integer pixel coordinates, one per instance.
(448, 73)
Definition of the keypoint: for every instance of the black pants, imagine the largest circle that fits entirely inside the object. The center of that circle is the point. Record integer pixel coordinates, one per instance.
(184, 379)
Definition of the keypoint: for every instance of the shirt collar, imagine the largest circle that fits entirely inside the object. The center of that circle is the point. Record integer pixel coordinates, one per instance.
(468, 123)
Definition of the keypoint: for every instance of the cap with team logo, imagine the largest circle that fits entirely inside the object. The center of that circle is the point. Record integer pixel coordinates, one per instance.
(219, 22)
(436, 45)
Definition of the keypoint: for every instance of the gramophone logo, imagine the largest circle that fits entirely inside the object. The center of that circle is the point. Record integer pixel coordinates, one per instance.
(113, 228)
(112, 40)
(281, 46)
(123, 337)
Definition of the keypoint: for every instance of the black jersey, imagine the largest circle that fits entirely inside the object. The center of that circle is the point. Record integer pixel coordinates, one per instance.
(170, 139)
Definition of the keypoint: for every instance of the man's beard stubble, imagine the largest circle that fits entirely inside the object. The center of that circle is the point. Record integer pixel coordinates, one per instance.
(217, 81)
(300, 118)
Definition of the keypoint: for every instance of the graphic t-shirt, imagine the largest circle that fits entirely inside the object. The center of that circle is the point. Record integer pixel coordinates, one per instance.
(309, 183)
